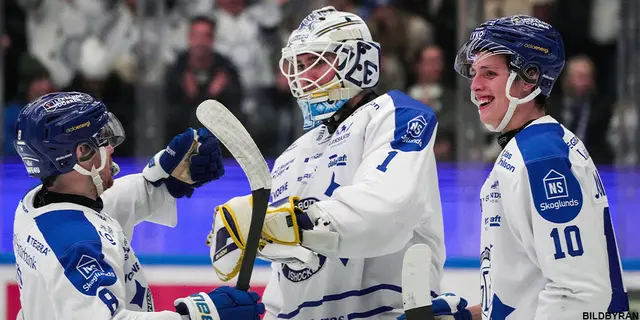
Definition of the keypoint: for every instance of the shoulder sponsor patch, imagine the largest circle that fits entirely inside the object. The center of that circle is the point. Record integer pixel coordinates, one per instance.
(413, 130)
(556, 192)
(76, 244)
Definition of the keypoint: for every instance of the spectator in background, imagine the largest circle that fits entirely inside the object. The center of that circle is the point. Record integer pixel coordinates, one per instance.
(56, 29)
(541, 9)
(289, 120)
(243, 34)
(200, 73)
(401, 34)
(34, 81)
(583, 109)
(431, 90)
(96, 77)
(350, 6)
(14, 45)
(591, 27)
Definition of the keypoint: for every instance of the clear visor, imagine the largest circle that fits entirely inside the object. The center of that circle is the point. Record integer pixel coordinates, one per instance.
(314, 69)
(474, 51)
(111, 134)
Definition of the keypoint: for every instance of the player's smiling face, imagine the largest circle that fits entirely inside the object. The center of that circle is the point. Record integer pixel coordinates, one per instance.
(490, 75)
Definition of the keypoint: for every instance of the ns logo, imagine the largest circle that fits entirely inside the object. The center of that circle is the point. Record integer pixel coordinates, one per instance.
(416, 126)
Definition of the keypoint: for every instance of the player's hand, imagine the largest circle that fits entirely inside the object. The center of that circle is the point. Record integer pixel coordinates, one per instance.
(190, 85)
(223, 303)
(192, 159)
(448, 306)
(218, 83)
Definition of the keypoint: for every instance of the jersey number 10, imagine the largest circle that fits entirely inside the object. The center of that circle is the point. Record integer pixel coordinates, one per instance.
(572, 239)
(573, 242)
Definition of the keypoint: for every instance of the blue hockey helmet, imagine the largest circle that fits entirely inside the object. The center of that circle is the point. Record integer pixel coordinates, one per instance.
(49, 129)
(534, 49)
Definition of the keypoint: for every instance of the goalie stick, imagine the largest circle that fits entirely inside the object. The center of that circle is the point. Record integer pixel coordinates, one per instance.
(416, 289)
(228, 129)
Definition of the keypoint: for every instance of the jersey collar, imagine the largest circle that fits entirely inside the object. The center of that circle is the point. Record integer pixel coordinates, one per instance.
(334, 121)
(504, 138)
(45, 197)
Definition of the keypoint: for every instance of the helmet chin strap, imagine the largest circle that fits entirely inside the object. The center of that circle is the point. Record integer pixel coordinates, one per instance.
(513, 103)
(95, 173)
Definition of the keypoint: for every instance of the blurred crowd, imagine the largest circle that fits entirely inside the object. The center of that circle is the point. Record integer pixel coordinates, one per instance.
(229, 50)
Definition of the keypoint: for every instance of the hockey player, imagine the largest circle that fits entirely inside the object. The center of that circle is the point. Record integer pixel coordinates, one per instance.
(73, 256)
(358, 188)
(548, 248)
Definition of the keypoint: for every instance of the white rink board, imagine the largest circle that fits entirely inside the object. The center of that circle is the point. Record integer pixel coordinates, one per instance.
(464, 282)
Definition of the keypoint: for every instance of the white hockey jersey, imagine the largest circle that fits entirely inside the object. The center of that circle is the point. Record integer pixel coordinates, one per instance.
(376, 178)
(548, 246)
(76, 263)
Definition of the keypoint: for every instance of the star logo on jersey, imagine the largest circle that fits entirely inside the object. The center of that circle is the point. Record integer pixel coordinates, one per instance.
(332, 186)
(138, 297)
(500, 311)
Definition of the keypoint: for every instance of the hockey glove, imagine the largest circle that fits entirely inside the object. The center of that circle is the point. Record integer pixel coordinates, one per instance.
(191, 159)
(283, 232)
(286, 224)
(448, 306)
(223, 303)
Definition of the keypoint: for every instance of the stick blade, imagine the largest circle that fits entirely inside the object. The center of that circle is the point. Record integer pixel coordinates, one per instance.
(416, 286)
(228, 129)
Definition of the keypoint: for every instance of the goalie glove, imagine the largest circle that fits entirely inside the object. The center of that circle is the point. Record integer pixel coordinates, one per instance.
(192, 159)
(282, 239)
(287, 224)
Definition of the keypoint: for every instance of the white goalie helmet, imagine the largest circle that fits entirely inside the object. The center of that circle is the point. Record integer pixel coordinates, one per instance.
(329, 59)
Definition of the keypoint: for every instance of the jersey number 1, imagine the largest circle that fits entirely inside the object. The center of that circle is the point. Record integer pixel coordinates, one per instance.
(383, 166)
